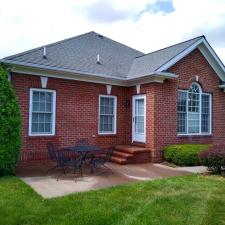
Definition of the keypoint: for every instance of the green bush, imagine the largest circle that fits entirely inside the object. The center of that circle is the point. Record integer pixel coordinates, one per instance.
(10, 126)
(184, 154)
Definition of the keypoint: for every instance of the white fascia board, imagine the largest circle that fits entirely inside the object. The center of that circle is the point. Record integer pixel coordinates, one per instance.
(212, 59)
(158, 77)
(178, 57)
(31, 65)
(207, 52)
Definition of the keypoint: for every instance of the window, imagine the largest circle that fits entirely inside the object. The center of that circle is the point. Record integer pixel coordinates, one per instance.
(107, 114)
(42, 112)
(194, 111)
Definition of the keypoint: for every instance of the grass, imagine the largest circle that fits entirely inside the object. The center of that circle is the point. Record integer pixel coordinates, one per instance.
(193, 199)
(184, 154)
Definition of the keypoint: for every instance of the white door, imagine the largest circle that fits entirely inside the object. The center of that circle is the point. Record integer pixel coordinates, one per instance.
(139, 118)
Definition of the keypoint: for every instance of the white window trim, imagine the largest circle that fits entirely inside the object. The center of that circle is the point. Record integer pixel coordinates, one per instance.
(200, 122)
(53, 113)
(115, 114)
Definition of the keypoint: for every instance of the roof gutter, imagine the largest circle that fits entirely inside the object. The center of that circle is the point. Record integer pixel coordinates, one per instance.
(55, 72)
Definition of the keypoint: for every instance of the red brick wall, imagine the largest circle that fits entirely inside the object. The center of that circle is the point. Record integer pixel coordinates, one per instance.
(76, 114)
(77, 110)
(165, 119)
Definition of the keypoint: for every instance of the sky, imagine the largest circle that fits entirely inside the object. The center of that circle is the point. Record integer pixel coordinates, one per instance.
(145, 25)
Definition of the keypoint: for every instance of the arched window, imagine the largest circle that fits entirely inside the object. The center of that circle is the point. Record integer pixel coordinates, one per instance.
(194, 111)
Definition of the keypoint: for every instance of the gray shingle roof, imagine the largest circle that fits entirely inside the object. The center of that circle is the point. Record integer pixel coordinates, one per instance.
(117, 60)
(147, 64)
(80, 53)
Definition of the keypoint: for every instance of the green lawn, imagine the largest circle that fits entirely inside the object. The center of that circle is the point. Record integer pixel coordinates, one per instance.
(190, 200)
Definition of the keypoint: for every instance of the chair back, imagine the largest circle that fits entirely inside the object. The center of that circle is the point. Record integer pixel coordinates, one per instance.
(82, 142)
(109, 153)
(51, 151)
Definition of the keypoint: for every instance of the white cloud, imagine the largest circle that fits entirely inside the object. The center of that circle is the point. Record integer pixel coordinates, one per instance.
(27, 24)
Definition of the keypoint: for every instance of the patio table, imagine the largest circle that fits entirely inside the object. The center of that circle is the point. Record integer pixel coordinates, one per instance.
(83, 151)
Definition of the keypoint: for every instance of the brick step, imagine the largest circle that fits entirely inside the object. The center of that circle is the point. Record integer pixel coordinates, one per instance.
(122, 154)
(129, 154)
(118, 160)
(131, 149)
(138, 144)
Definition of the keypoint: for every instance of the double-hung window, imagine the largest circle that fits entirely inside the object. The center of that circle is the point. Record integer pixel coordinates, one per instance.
(194, 111)
(107, 114)
(42, 112)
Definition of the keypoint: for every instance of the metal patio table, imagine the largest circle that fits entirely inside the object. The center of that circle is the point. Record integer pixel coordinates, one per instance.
(84, 151)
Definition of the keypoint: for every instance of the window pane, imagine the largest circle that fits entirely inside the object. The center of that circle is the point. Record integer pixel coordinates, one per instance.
(205, 120)
(41, 127)
(34, 127)
(47, 127)
(35, 118)
(42, 107)
(193, 122)
(42, 97)
(194, 109)
(48, 97)
(182, 112)
(41, 117)
(36, 107)
(139, 124)
(48, 107)
(36, 96)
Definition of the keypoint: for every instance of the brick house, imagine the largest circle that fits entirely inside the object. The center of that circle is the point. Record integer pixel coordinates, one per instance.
(91, 86)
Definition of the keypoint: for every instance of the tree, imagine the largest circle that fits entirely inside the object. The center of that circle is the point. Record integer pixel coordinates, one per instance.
(10, 126)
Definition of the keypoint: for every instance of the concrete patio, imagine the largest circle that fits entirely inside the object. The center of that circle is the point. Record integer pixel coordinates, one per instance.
(56, 184)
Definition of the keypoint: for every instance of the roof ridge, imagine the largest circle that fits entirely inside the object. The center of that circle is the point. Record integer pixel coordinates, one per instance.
(48, 45)
(120, 43)
(202, 36)
(65, 40)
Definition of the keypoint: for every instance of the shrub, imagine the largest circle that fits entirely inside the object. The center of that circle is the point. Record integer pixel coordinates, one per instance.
(184, 154)
(214, 159)
(10, 122)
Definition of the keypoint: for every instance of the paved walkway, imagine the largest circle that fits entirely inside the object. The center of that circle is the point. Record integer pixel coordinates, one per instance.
(54, 185)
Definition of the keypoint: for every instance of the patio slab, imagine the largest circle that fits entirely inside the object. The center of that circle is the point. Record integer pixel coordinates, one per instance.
(56, 184)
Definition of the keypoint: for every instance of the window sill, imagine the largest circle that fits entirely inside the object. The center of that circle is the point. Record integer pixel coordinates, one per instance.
(108, 135)
(194, 135)
(41, 135)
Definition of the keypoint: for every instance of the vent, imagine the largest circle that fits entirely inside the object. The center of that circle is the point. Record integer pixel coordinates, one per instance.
(99, 36)
(44, 53)
(98, 59)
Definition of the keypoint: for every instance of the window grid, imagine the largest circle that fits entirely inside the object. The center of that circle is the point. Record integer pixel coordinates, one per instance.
(42, 112)
(107, 120)
(182, 114)
(194, 111)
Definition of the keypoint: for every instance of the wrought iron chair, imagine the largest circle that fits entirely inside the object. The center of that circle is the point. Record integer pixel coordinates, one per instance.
(82, 142)
(102, 158)
(62, 159)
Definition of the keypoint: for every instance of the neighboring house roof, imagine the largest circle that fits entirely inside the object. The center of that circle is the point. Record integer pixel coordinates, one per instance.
(78, 55)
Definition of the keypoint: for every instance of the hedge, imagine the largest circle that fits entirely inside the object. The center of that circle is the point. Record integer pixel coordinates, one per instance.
(184, 154)
(10, 126)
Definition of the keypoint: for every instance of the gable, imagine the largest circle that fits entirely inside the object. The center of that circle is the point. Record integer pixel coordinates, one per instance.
(195, 65)
(203, 46)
